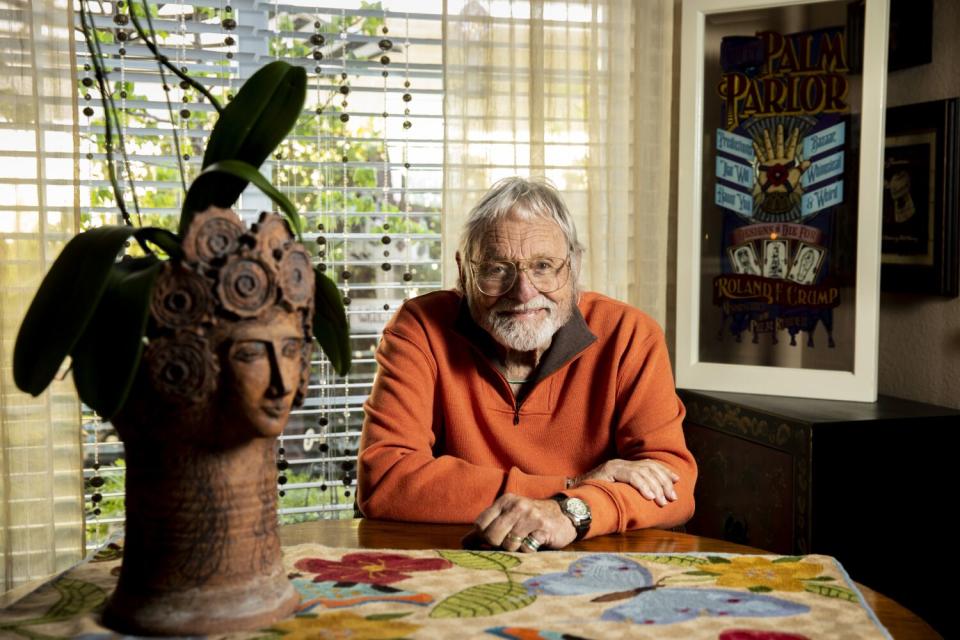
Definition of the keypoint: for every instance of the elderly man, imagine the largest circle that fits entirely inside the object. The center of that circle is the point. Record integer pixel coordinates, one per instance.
(540, 413)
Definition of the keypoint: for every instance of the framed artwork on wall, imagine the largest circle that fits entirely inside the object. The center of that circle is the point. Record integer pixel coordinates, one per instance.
(778, 233)
(921, 199)
(910, 42)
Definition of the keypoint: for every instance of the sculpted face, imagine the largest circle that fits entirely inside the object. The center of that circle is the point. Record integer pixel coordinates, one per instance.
(523, 318)
(263, 364)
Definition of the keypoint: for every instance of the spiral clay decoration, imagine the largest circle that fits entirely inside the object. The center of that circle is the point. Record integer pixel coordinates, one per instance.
(213, 234)
(182, 368)
(181, 298)
(273, 234)
(296, 277)
(247, 285)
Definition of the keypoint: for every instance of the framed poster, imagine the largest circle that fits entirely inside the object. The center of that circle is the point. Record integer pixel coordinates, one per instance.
(921, 199)
(778, 251)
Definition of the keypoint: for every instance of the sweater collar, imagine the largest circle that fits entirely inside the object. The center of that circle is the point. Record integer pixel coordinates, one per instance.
(568, 342)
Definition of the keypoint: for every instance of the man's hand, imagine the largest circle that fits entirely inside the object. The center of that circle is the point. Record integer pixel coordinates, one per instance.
(512, 518)
(652, 479)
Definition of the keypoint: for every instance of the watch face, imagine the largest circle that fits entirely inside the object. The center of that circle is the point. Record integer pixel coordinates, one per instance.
(577, 508)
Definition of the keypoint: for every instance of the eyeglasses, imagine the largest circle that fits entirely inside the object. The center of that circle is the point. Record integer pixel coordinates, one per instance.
(497, 277)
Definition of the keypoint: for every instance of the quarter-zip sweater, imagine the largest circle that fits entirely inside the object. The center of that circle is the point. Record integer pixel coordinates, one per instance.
(444, 435)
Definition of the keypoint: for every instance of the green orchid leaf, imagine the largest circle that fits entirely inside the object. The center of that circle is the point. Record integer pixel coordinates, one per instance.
(75, 283)
(261, 115)
(330, 326)
(106, 358)
(209, 189)
(166, 240)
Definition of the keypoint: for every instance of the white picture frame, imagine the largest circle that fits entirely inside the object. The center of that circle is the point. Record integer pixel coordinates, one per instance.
(860, 382)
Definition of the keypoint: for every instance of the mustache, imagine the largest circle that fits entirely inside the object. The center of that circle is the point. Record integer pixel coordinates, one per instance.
(540, 302)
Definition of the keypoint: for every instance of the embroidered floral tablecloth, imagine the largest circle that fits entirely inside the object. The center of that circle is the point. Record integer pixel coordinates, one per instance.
(377, 594)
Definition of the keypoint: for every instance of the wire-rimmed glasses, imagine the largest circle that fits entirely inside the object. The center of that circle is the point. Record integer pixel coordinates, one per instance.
(497, 277)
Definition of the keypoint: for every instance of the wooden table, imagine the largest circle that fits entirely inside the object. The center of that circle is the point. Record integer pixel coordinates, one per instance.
(378, 534)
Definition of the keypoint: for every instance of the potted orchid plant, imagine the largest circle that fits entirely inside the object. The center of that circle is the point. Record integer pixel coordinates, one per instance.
(109, 297)
(196, 350)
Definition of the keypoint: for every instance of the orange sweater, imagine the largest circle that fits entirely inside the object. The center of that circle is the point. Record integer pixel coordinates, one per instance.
(444, 436)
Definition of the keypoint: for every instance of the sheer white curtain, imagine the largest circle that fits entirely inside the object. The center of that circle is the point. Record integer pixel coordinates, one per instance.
(577, 91)
(41, 483)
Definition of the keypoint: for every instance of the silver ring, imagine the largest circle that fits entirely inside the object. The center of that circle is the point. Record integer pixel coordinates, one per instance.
(531, 543)
(513, 538)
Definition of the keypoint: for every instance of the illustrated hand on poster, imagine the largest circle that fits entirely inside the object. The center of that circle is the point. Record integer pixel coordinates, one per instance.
(778, 168)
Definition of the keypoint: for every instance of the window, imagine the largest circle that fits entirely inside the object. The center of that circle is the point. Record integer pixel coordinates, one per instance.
(363, 166)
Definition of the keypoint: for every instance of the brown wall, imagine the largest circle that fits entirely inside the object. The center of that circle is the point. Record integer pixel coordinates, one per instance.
(920, 335)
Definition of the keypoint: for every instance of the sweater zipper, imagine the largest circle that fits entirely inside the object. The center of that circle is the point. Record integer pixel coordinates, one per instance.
(516, 404)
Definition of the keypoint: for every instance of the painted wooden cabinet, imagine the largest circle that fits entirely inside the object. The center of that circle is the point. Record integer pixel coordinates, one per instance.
(868, 483)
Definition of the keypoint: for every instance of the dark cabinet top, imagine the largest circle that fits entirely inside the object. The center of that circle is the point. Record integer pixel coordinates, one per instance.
(815, 411)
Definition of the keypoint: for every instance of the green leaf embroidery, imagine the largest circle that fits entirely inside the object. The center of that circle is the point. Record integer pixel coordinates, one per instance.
(789, 559)
(107, 356)
(484, 600)
(760, 589)
(822, 579)
(492, 560)
(76, 281)
(330, 326)
(675, 560)
(388, 616)
(76, 597)
(718, 560)
(832, 592)
(700, 573)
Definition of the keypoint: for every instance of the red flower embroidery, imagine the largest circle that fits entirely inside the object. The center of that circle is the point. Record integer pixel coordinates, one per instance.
(757, 634)
(369, 568)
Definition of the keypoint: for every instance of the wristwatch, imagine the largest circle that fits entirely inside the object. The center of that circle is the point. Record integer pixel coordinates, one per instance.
(577, 510)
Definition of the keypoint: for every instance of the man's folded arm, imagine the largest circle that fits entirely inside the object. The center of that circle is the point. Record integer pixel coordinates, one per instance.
(651, 428)
(399, 476)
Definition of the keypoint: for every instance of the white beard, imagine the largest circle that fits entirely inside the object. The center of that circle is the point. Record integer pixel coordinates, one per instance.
(522, 334)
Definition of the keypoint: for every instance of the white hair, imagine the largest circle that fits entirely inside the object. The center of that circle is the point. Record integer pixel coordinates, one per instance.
(524, 197)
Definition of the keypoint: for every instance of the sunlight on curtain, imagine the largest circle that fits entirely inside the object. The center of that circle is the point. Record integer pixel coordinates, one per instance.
(41, 519)
(577, 91)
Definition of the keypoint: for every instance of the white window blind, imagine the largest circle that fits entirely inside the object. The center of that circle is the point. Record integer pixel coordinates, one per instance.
(40, 517)
(363, 167)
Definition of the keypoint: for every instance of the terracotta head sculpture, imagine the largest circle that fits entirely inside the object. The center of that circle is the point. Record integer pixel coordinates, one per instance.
(230, 336)
(228, 357)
